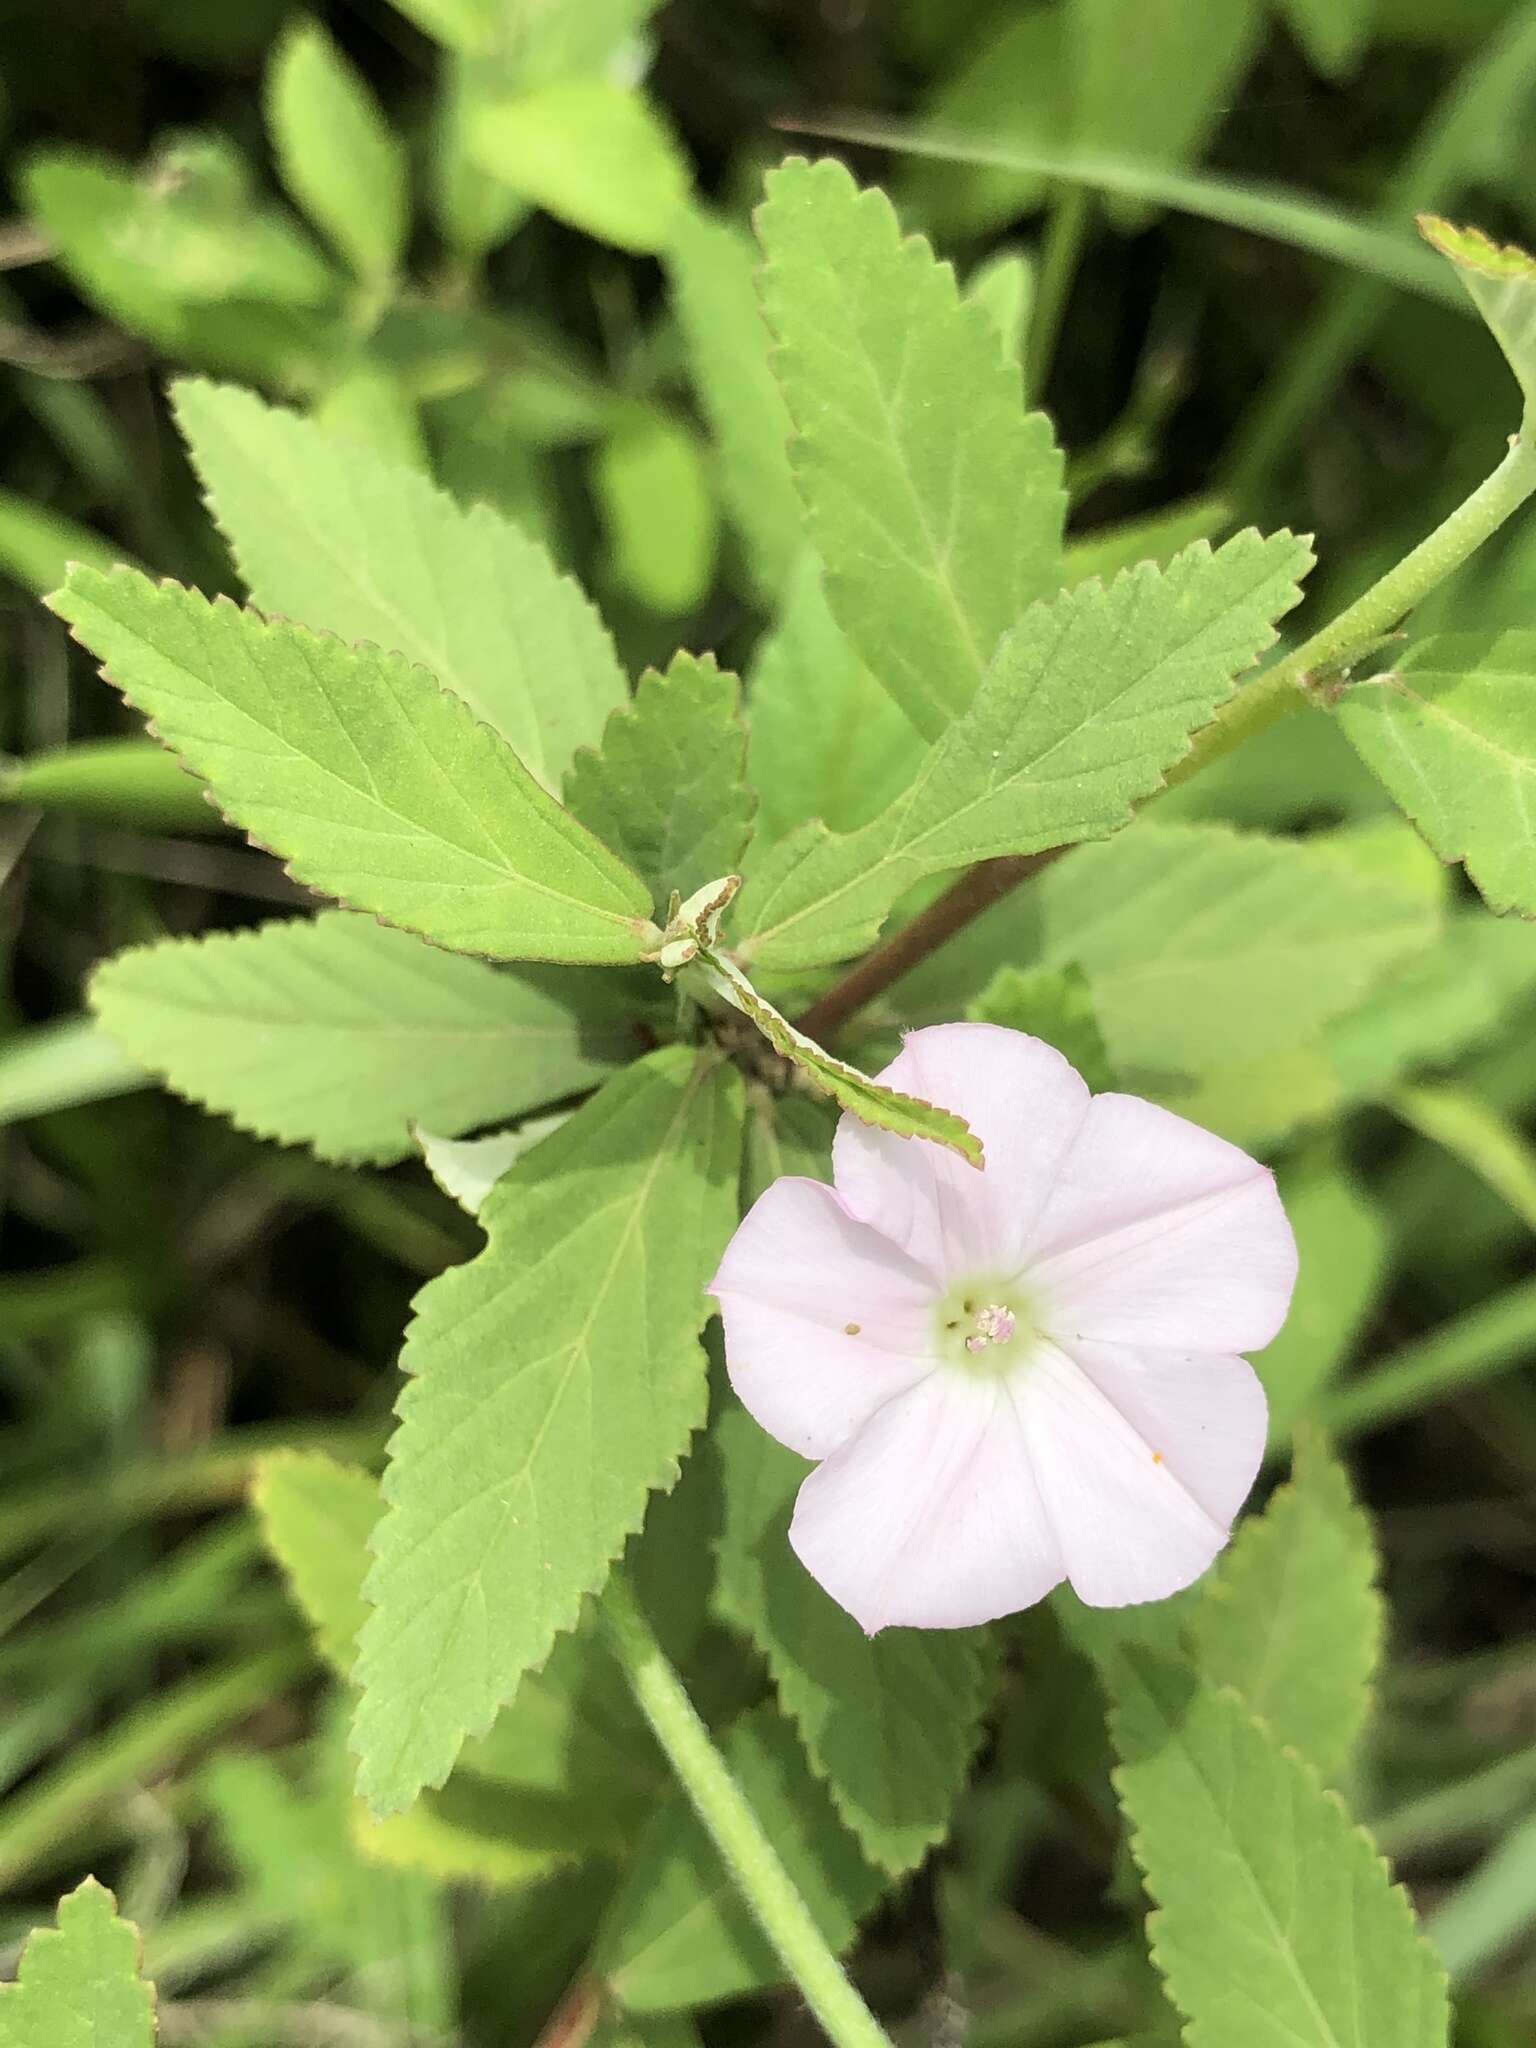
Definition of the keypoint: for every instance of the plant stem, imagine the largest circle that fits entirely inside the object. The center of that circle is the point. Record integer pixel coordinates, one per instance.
(1270, 697)
(988, 882)
(1282, 688)
(1064, 238)
(733, 1827)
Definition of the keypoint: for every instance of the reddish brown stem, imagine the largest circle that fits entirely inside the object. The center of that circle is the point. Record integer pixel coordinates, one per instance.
(977, 890)
(574, 2020)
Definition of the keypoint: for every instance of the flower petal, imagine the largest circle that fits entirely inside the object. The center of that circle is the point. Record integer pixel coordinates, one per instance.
(1160, 1233)
(825, 1319)
(1026, 1104)
(929, 1517)
(1141, 1461)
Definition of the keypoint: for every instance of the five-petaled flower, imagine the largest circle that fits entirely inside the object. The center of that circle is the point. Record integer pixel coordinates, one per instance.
(1017, 1375)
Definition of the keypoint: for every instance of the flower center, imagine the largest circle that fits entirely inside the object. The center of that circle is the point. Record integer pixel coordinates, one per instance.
(994, 1325)
(983, 1326)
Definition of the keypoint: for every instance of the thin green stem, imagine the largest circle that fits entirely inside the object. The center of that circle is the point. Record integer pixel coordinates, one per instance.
(1065, 235)
(1488, 1339)
(733, 1827)
(1359, 627)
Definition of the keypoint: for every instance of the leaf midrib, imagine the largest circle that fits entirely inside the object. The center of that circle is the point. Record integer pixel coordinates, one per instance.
(410, 829)
(472, 1585)
(432, 653)
(1284, 1946)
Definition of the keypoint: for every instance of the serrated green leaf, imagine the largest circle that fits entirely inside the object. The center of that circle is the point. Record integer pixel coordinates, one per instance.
(375, 783)
(1053, 1003)
(652, 485)
(1158, 537)
(825, 740)
(335, 151)
(1101, 1633)
(1204, 945)
(1087, 703)
(714, 296)
(889, 1722)
(1293, 1619)
(871, 1101)
(1492, 1145)
(1341, 1237)
(1501, 283)
(335, 536)
(466, 1169)
(593, 154)
(339, 1033)
(1277, 1923)
(78, 1984)
(316, 1515)
(678, 1932)
(667, 789)
(560, 1772)
(933, 500)
(556, 1381)
(1451, 731)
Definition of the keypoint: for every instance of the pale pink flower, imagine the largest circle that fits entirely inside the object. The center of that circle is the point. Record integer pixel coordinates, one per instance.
(1016, 1376)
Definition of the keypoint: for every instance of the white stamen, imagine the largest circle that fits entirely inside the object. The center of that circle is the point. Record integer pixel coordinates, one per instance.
(994, 1325)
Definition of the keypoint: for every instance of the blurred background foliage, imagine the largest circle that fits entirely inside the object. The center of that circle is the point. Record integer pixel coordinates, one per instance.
(449, 229)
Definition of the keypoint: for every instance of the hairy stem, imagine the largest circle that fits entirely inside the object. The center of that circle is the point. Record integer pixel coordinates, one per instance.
(1271, 696)
(733, 1827)
(1282, 689)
